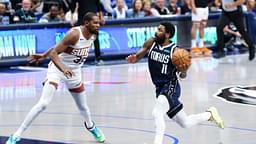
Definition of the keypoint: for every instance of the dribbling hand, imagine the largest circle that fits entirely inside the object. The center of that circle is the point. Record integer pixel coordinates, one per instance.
(68, 73)
(35, 58)
(131, 58)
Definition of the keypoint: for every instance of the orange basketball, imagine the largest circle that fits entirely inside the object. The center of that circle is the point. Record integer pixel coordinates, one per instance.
(180, 57)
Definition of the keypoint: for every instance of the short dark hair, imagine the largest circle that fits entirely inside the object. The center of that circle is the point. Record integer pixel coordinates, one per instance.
(169, 28)
(88, 17)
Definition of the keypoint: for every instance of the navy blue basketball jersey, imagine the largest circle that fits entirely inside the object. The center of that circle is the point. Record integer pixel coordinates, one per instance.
(161, 69)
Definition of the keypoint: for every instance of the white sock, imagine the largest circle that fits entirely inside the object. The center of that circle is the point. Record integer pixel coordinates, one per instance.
(81, 102)
(201, 43)
(186, 121)
(159, 111)
(48, 92)
(193, 43)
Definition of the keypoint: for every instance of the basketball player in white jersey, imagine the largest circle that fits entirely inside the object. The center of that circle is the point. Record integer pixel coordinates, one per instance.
(67, 57)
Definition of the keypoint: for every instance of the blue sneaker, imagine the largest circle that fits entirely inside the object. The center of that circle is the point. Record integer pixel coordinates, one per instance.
(12, 140)
(96, 132)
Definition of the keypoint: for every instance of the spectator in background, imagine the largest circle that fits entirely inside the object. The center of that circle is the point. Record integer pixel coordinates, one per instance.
(8, 4)
(173, 7)
(75, 15)
(25, 14)
(48, 3)
(160, 7)
(251, 6)
(232, 37)
(129, 3)
(51, 16)
(106, 4)
(148, 10)
(5, 17)
(16, 4)
(136, 10)
(119, 12)
(37, 6)
(65, 5)
(186, 7)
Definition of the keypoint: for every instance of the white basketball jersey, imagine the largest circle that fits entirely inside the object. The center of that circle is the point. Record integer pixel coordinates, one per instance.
(75, 55)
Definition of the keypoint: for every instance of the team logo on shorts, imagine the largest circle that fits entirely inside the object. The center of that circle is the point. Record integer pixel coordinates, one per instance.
(238, 94)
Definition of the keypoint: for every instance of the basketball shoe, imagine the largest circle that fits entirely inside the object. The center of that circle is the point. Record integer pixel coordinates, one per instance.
(195, 52)
(205, 51)
(12, 140)
(96, 132)
(215, 117)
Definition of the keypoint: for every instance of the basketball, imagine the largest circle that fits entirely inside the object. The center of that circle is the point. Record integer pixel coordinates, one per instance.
(181, 58)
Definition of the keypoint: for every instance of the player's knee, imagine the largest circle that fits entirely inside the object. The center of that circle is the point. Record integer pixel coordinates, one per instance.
(202, 26)
(203, 23)
(196, 25)
(185, 124)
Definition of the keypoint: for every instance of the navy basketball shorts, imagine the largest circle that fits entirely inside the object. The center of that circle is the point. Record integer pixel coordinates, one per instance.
(172, 92)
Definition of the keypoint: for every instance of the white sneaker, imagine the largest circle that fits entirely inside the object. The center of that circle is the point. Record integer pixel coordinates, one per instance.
(215, 117)
(100, 62)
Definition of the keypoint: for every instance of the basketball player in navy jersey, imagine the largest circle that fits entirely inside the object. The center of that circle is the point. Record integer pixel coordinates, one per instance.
(164, 77)
(67, 57)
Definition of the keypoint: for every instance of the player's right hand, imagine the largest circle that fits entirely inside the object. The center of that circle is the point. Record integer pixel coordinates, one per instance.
(68, 73)
(131, 58)
(36, 58)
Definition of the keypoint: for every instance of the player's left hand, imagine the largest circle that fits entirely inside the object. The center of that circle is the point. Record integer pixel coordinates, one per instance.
(36, 58)
(68, 73)
(131, 58)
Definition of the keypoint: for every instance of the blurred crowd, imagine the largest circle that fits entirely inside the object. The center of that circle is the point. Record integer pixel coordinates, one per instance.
(44, 11)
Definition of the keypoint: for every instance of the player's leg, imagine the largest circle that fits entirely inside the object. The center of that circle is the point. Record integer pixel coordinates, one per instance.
(195, 51)
(160, 109)
(48, 92)
(194, 28)
(223, 21)
(204, 12)
(237, 19)
(167, 103)
(97, 51)
(186, 121)
(77, 91)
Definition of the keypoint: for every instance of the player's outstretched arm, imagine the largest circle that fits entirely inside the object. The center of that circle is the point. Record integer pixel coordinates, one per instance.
(70, 39)
(133, 58)
(39, 57)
